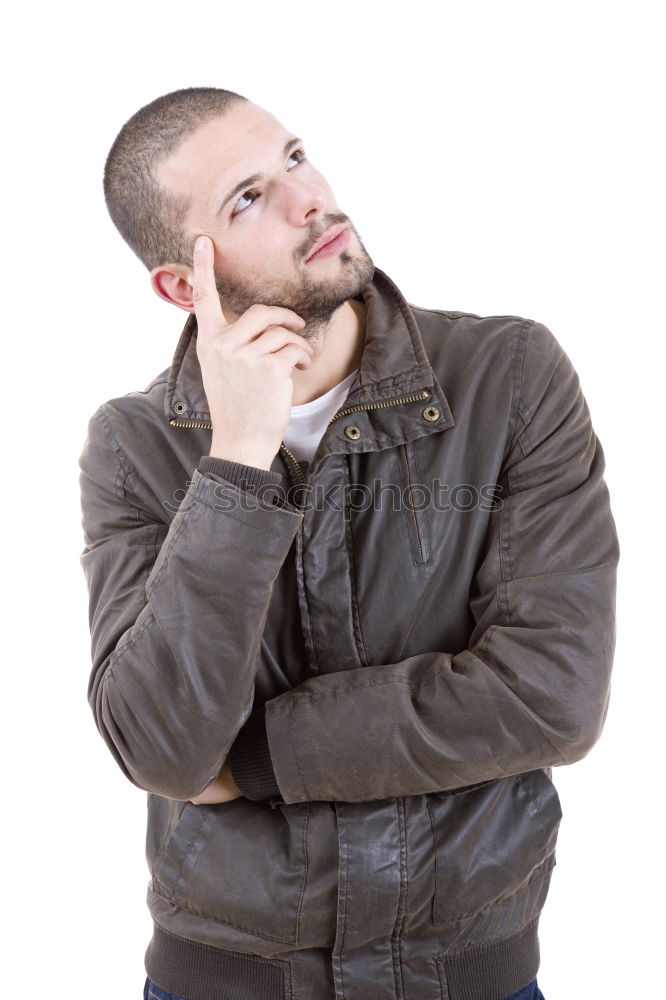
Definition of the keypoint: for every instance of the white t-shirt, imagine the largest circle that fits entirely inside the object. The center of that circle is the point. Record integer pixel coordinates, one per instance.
(309, 420)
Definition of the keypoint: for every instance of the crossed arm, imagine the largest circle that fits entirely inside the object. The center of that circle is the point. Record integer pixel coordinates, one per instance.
(173, 661)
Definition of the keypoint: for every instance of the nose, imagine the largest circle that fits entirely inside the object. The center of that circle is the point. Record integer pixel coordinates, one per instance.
(301, 199)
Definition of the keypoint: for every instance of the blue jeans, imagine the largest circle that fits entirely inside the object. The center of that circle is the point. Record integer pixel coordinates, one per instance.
(153, 992)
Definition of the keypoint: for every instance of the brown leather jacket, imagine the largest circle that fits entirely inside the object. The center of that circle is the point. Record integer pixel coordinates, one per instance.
(395, 654)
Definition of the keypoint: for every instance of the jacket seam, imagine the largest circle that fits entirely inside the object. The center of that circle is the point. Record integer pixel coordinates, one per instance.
(527, 410)
(156, 551)
(174, 818)
(225, 923)
(343, 893)
(527, 415)
(304, 604)
(505, 555)
(301, 896)
(439, 964)
(105, 424)
(487, 945)
(119, 651)
(535, 803)
(123, 460)
(109, 673)
(123, 469)
(177, 531)
(398, 925)
(504, 535)
(517, 371)
(356, 617)
(524, 436)
(281, 964)
(462, 313)
(294, 742)
(196, 836)
(541, 871)
(298, 696)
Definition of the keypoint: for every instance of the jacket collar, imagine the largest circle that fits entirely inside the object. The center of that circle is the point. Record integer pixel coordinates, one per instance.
(394, 364)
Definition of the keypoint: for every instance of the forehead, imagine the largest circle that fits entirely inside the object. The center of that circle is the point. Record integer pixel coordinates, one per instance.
(221, 153)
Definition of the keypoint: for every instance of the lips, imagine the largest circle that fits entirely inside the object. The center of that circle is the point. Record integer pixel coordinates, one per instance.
(327, 237)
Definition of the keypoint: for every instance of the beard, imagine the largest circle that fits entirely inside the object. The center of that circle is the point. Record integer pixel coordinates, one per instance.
(313, 299)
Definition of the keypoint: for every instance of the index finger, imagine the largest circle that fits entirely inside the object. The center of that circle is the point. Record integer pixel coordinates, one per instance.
(205, 298)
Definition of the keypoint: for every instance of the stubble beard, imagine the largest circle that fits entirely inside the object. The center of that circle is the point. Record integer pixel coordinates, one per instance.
(314, 299)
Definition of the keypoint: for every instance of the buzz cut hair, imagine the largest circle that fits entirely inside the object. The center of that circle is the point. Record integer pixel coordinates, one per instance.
(148, 218)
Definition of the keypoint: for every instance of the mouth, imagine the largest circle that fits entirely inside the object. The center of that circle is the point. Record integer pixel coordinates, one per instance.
(332, 242)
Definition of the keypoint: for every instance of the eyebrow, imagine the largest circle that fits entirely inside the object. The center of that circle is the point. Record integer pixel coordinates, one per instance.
(255, 178)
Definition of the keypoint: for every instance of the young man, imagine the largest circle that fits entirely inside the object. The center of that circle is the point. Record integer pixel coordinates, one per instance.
(352, 572)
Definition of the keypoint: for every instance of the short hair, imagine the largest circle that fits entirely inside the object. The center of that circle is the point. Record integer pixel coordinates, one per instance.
(148, 217)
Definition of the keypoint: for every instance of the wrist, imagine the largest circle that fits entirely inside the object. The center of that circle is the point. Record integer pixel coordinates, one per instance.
(255, 457)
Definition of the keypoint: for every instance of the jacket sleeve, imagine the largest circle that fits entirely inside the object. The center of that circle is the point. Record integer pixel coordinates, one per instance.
(176, 615)
(532, 687)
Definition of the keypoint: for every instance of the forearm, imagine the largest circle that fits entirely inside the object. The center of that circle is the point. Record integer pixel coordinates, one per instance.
(175, 638)
(531, 689)
(433, 722)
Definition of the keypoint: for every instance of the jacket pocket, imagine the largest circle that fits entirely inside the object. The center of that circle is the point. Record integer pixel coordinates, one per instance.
(242, 863)
(415, 504)
(162, 816)
(489, 839)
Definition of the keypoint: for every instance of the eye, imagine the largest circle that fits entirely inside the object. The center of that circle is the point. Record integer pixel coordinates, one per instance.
(237, 210)
(300, 153)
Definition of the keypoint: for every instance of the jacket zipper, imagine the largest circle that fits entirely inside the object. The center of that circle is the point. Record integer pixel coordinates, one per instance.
(189, 423)
(350, 409)
(343, 413)
(374, 406)
(295, 463)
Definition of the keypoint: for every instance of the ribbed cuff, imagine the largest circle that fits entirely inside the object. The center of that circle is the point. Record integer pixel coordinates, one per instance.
(250, 760)
(264, 482)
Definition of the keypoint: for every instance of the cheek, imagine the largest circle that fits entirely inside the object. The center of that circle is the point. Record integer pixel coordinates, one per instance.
(256, 252)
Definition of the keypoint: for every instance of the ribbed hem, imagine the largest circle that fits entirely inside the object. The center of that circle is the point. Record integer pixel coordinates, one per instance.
(250, 759)
(492, 971)
(266, 483)
(197, 971)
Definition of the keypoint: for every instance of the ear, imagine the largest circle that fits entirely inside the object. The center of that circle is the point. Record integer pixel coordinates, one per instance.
(172, 282)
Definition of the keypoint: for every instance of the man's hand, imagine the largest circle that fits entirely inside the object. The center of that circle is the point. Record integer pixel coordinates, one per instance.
(246, 368)
(223, 789)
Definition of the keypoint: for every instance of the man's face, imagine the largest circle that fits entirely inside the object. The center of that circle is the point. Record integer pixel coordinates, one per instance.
(265, 230)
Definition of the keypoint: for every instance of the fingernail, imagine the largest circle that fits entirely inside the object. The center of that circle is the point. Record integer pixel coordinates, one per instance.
(200, 243)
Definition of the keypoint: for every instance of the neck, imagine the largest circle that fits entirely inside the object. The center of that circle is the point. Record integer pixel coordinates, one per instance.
(338, 351)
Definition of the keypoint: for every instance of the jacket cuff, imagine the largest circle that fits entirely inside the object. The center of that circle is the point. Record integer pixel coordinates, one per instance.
(265, 482)
(250, 759)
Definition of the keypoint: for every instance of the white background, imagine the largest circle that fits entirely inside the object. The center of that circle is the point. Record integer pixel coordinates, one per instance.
(495, 157)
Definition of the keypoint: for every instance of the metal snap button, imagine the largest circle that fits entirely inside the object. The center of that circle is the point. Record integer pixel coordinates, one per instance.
(180, 407)
(352, 432)
(431, 413)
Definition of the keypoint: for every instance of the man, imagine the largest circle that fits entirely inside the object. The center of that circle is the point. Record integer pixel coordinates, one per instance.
(352, 571)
